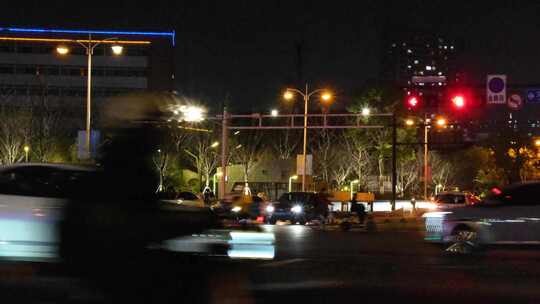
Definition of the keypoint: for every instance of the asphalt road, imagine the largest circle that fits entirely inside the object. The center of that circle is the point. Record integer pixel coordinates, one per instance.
(310, 266)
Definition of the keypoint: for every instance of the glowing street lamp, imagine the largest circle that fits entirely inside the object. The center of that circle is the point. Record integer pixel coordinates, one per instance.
(274, 112)
(366, 112)
(117, 49)
(441, 122)
(537, 142)
(288, 95)
(290, 181)
(26, 150)
(192, 114)
(62, 50)
(409, 122)
(214, 144)
(325, 96)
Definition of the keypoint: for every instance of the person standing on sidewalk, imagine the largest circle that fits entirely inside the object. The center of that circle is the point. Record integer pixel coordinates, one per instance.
(361, 212)
(359, 209)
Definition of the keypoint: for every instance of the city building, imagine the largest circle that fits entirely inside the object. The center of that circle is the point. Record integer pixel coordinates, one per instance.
(420, 60)
(52, 64)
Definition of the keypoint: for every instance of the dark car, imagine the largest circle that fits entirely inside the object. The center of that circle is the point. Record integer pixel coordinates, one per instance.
(297, 207)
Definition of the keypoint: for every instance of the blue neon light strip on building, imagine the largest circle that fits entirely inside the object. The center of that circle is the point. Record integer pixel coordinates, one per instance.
(172, 34)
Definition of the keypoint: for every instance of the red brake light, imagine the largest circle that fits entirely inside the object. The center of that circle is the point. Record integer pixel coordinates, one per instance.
(496, 191)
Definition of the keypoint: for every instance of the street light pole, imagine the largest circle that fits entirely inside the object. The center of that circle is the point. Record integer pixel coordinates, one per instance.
(290, 181)
(304, 169)
(89, 52)
(89, 47)
(306, 94)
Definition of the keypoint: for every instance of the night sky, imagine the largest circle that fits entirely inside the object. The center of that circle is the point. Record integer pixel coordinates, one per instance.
(247, 51)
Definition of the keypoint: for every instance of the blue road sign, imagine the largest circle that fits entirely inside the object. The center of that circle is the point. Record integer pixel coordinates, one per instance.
(533, 95)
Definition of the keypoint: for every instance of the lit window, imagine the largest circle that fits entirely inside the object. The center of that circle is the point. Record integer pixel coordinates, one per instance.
(416, 62)
(445, 47)
(409, 66)
(428, 68)
(440, 73)
(433, 68)
(451, 47)
(393, 45)
(409, 51)
(440, 83)
(421, 72)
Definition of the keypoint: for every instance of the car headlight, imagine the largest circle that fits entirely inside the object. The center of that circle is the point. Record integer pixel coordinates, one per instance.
(270, 209)
(236, 209)
(296, 209)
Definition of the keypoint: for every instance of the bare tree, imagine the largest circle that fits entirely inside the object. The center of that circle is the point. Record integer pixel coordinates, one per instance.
(323, 153)
(248, 152)
(360, 158)
(203, 156)
(174, 139)
(161, 162)
(14, 133)
(286, 144)
(407, 176)
(341, 170)
(441, 170)
(380, 140)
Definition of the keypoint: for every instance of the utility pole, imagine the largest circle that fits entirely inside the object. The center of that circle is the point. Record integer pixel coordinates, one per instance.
(224, 154)
(394, 158)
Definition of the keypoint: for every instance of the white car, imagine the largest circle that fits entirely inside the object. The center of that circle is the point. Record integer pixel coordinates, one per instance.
(32, 198)
(51, 212)
(507, 216)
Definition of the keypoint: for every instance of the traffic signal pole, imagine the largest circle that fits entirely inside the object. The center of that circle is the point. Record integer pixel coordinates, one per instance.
(394, 157)
(224, 154)
(425, 157)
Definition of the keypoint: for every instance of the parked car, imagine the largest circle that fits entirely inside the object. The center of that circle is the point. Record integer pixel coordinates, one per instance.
(297, 207)
(51, 212)
(445, 200)
(250, 207)
(507, 216)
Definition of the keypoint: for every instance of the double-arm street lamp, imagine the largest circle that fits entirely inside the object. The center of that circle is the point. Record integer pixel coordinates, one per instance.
(325, 96)
(89, 46)
(439, 122)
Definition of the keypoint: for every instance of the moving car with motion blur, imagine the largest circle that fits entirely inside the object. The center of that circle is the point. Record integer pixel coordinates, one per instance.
(50, 212)
(507, 216)
(296, 207)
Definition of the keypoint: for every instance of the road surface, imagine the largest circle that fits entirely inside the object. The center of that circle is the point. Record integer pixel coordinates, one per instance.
(310, 266)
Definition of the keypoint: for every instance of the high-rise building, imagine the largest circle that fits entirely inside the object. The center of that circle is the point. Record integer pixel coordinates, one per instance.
(420, 60)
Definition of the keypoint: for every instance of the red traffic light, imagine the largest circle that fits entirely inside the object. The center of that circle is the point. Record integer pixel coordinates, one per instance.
(458, 101)
(412, 101)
